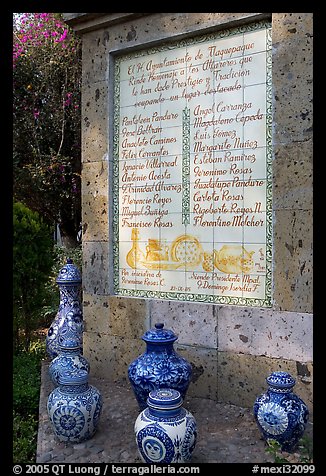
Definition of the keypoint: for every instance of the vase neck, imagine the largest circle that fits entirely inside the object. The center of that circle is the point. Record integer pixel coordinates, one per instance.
(69, 293)
(167, 348)
(74, 389)
(70, 351)
(165, 413)
(280, 390)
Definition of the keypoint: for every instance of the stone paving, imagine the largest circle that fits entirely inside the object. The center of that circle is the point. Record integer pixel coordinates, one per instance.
(226, 433)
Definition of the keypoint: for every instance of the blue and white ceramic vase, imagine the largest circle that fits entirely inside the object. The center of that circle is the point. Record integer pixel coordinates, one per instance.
(159, 367)
(74, 407)
(165, 431)
(69, 358)
(280, 414)
(69, 318)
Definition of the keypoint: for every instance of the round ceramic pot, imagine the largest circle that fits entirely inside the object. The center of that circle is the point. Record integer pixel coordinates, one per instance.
(69, 319)
(280, 414)
(165, 431)
(69, 358)
(159, 367)
(74, 407)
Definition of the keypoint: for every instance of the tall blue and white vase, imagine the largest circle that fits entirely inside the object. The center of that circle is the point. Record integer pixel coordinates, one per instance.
(68, 358)
(165, 431)
(279, 413)
(69, 319)
(74, 407)
(160, 366)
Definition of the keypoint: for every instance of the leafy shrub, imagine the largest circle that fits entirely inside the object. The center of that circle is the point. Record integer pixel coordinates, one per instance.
(25, 437)
(27, 379)
(26, 392)
(32, 263)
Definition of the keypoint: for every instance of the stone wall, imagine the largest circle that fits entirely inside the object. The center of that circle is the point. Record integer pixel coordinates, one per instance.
(232, 348)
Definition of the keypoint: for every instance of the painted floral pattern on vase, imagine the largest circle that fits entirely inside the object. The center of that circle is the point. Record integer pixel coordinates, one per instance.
(159, 367)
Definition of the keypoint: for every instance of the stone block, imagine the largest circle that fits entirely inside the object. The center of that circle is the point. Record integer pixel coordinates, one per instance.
(204, 364)
(293, 176)
(96, 313)
(242, 377)
(286, 335)
(128, 318)
(95, 54)
(194, 324)
(292, 71)
(95, 218)
(110, 356)
(96, 268)
(293, 261)
(94, 122)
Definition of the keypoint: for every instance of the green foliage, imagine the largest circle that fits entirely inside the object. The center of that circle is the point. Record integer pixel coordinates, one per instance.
(32, 262)
(26, 383)
(26, 391)
(274, 449)
(305, 448)
(46, 118)
(25, 436)
(304, 453)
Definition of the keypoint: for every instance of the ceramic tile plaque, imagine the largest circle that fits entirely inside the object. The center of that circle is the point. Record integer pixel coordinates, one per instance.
(192, 191)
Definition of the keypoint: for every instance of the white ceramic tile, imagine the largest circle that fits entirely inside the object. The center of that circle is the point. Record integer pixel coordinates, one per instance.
(256, 231)
(173, 59)
(255, 95)
(258, 255)
(255, 133)
(258, 38)
(253, 286)
(203, 285)
(127, 95)
(228, 106)
(255, 68)
(172, 233)
(200, 51)
(255, 197)
(256, 159)
(172, 281)
(126, 280)
(197, 217)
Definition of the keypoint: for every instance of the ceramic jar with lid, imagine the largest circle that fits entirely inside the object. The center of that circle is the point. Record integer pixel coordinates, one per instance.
(160, 366)
(280, 414)
(69, 318)
(74, 407)
(68, 358)
(165, 431)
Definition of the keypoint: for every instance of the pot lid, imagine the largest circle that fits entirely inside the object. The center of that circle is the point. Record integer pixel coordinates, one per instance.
(280, 379)
(69, 273)
(73, 377)
(159, 335)
(164, 399)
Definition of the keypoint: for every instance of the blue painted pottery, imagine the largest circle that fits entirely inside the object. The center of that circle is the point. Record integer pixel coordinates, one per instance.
(280, 414)
(165, 431)
(74, 407)
(69, 319)
(159, 366)
(69, 358)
